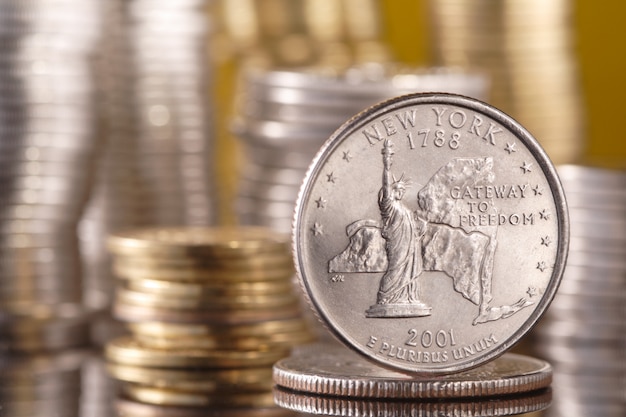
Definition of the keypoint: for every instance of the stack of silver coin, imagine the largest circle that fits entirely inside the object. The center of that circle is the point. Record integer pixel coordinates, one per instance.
(98, 389)
(527, 47)
(47, 147)
(41, 385)
(583, 332)
(156, 167)
(283, 117)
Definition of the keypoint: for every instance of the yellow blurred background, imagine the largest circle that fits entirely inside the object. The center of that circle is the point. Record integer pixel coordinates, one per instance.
(405, 33)
(601, 53)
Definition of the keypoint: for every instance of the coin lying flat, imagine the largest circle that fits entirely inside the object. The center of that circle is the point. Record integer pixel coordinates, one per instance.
(431, 233)
(366, 407)
(194, 380)
(196, 274)
(261, 328)
(205, 242)
(127, 351)
(226, 342)
(335, 370)
(128, 408)
(136, 313)
(191, 290)
(177, 398)
(210, 303)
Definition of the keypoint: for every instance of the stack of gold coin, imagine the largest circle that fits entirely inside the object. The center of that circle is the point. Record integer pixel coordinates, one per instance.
(527, 47)
(292, 33)
(210, 310)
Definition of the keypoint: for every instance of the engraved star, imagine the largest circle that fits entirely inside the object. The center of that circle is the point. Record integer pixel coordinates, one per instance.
(532, 291)
(317, 229)
(321, 203)
(347, 156)
(331, 177)
(544, 214)
(538, 190)
(541, 266)
(546, 241)
(510, 148)
(526, 167)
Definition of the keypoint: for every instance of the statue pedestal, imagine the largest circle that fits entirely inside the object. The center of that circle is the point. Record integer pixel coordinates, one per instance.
(418, 309)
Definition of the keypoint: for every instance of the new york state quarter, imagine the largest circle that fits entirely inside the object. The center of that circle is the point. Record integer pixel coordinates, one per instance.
(430, 233)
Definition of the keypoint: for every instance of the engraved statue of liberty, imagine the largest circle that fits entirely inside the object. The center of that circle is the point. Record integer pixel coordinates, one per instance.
(398, 294)
(405, 243)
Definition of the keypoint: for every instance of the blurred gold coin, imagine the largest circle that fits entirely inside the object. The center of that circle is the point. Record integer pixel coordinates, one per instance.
(135, 313)
(277, 260)
(171, 330)
(194, 380)
(206, 302)
(128, 351)
(205, 242)
(269, 341)
(130, 408)
(205, 289)
(160, 396)
(123, 270)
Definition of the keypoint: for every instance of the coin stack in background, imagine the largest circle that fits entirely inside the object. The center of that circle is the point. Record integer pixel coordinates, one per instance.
(582, 334)
(527, 48)
(210, 310)
(288, 33)
(283, 34)
(41, 385)
(47, 147)
(322, 379)
(98, 389)
(284, 117)
(156, 166)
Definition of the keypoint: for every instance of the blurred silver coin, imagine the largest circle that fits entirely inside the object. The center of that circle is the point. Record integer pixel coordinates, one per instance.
(272, 192)
(479, 177)
(267, 206)
(572, 333)
(54, 141)
(598, 244)
(27, 153)
(42, 389)
(574, 407)
(75, 336)
(279, 176)
(264, 155)
(578, 174)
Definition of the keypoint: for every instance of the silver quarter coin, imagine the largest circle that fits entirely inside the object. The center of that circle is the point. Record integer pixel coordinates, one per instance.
(334, 370)
(431, 233)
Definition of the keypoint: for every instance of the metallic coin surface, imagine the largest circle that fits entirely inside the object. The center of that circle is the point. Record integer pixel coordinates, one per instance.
(368, 407)
(430, 233)
(206, 242)
(335, 370)
(135, 313)
(127, 408)
(127, 351)
(194, 380)
(160, 396)
(262, 328)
